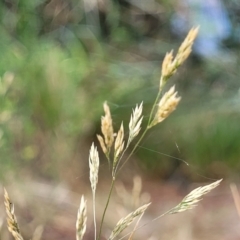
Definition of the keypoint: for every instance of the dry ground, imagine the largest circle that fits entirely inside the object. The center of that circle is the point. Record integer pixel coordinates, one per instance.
(53, 208)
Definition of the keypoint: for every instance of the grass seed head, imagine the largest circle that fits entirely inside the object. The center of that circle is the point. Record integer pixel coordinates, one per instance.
(107, 130)
(166, 106)
(126, 221)
(94, 166)
(81, 219)
(191, 200)
(11, 218)
(170, 64)
(119, 143)
(167, 65)
(135, 122)
(102, 144)
(186, 47)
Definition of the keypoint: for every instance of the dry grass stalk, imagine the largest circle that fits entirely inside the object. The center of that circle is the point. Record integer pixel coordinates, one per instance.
(37, 235)
(126, 221)
(94, 167)
(81, 219)
(166, 106)
(11, 218)
(236, 197)
(107, 131)
(191, 200)
(135, 123)
(136, 191)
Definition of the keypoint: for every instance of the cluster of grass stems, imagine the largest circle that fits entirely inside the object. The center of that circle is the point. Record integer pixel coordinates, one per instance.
(114, 146)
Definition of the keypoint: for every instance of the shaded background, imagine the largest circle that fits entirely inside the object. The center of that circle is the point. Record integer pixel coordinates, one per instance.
(61, 59)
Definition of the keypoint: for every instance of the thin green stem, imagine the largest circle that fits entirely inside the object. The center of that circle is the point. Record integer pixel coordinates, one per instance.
(106, 206)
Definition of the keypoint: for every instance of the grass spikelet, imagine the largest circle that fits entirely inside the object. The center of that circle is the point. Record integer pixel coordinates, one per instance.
(102, 144)
(119, 145)
(191, 200)
(170, 65)
(94, 166)
(166, 106)
(167, 65)
(107, 131)
(11, 218)
(135, 123)
(186, 46)
(81, 219)
(126, 221)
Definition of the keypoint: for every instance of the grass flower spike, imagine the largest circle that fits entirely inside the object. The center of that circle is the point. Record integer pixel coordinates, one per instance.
(135, 123)
(186, 47)
(191, 200)
(11, 218)
(170, 64)
(107, 131)
(166, 106)
(81, 219)
(126, 221)
(118, 146)
(94, 166)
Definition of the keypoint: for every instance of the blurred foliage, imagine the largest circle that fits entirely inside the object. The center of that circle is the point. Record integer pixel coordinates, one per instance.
(61, 59)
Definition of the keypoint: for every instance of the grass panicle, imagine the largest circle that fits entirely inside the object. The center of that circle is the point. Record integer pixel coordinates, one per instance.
(94, 166)
(107, 131)
(171, 64)
(118, 146)
(191, 200)
(166, 106)
(11, 218)
(126, 221)
(81, 219)
(135, 123)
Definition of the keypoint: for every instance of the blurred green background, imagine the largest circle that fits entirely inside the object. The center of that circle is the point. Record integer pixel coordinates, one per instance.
(61, 59)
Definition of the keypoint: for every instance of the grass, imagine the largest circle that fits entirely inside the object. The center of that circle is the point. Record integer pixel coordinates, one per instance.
(115, 146)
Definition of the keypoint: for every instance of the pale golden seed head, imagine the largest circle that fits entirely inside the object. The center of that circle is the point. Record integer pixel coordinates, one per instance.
(170, 64)
(11, 218)
(107, 127)
(186, 47)
(167, 68)
(102, 144)
(81, 219)
(166, 106)
(135, 123)
(188, 41)
(119, 143)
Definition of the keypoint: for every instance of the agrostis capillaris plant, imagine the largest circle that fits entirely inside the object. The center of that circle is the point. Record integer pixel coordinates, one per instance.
(114, 146)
